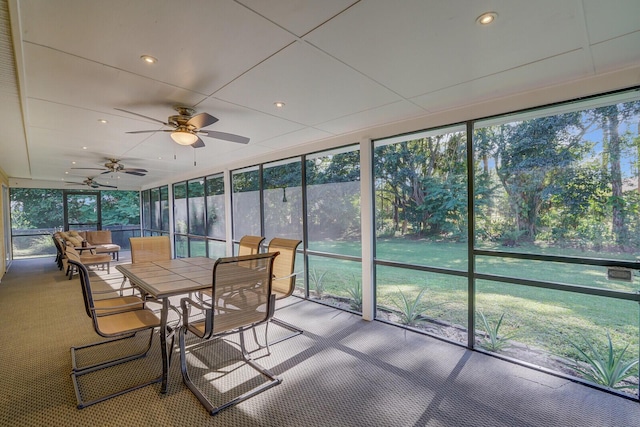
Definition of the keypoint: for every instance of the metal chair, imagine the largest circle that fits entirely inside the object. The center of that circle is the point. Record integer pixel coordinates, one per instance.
(118, 319)
(86, 259)
(249, 245)
(241, 299)
(284, 283)
(146, 249)
(150, 248)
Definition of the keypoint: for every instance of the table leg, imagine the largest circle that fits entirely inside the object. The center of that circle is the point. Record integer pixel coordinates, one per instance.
(163, 344)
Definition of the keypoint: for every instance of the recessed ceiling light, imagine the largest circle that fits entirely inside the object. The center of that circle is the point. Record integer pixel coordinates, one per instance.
(149, 59)
(486, 18)
(103, 121)
(84, 148)
(66, 172)
(73, 163)
(279, 104)
(159, 158)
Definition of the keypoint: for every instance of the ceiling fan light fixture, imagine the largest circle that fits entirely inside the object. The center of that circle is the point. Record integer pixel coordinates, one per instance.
(183, 137)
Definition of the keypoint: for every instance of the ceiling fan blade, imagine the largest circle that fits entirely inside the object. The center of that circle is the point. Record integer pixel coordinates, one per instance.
(127, 170)
(143, 116)
(202, 120)
(93, 169)
(198, 144)
(150, 131)
(132, 172)
(103, 185)
(225, 136)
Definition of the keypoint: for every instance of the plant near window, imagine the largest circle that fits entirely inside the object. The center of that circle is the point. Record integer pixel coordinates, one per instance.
(318, 280)
(355, 292)
(605, 369)
(410, 310)
(493, 341)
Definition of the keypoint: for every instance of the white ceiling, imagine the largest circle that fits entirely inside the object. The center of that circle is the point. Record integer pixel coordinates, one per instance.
(340, 66)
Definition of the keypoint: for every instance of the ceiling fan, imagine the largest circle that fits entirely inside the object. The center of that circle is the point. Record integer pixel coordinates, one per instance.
(113, 165)
(91, 183)
(187, 128)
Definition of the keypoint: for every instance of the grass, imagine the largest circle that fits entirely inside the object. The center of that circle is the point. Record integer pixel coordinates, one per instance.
(548, 319)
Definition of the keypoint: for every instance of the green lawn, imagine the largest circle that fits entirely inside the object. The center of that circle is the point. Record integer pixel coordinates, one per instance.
(546, 320)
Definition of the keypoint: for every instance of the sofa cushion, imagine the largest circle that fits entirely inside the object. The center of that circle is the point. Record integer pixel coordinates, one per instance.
(75, 240)
(100, 237)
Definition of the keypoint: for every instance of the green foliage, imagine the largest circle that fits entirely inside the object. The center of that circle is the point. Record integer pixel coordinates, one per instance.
(607, 369)
(355, 293)
(214, 185)
(493, 341)
(410, 310)
(334, 168)
(282, 176)
(421, 185)
(36, 208)
(317, 280)
(120, 208)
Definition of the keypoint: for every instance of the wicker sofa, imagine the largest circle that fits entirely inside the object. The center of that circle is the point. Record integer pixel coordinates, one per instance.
(101, 239)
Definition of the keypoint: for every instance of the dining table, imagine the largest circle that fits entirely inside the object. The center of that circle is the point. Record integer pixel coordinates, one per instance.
(162, 280)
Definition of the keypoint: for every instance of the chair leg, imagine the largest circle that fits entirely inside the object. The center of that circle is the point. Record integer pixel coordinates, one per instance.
(107, 363)
(295, 332)
(273, 380)
(75, 373)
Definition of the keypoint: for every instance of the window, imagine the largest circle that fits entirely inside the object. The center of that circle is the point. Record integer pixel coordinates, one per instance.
(333, 227)
(421, 221)
(195, 194)
(246, 202)
(282, 196)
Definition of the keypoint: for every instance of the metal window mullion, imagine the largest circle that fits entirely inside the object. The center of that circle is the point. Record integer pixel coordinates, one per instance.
(261, 198)
(471, 284)
(305, 232)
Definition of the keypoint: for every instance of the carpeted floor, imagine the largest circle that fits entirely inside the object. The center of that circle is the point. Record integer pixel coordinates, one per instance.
(342, 371)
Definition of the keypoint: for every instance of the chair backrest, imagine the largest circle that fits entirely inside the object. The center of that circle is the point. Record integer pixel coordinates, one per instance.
(150, 248)
(72, 254)
(283, 267)
(241, 289)
(250, 245)
(74, 259)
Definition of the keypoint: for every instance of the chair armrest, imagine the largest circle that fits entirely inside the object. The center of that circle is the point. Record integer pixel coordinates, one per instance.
(186, 303)
(289, 276)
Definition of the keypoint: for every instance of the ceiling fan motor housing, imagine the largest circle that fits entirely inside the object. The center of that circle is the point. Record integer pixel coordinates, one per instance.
(113, 165)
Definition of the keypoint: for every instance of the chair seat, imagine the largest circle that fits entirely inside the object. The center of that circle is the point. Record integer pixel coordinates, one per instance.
(127, 321)
(91, 259)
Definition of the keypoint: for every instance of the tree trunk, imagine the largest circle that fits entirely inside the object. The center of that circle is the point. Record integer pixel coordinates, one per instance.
(618, 220)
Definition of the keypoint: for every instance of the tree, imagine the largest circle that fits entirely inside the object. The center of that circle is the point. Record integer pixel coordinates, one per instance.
(36, 208)
(424, 182)
(610, 119)
(530, 155)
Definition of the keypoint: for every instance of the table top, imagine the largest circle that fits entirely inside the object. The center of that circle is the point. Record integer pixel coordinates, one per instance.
(162, 279)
